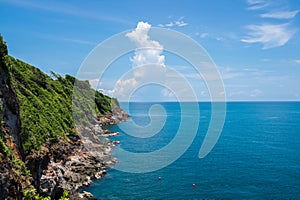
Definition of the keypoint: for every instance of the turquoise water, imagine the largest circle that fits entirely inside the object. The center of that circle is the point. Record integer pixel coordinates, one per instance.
(257, 156)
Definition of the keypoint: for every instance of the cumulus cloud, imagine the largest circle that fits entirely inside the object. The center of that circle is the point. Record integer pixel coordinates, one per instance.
(94, 83)
(269, 35)
(148, 51)
(124, 86)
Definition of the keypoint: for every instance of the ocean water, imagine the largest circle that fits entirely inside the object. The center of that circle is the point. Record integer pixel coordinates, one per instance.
(256, 157)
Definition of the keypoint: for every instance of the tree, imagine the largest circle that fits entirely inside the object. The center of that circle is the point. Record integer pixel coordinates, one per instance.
(3, 48)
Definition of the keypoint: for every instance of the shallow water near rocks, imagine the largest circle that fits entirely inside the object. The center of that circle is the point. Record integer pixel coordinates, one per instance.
(257, 156)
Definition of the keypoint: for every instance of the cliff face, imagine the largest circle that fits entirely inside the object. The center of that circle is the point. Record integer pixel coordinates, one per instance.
(42, 153)
(10, 104)
(11, 149)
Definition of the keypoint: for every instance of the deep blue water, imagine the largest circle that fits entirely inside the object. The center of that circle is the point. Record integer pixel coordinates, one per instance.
(257, 156)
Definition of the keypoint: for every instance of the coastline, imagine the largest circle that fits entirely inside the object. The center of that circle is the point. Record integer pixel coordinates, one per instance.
(74, 164)
(43, 152)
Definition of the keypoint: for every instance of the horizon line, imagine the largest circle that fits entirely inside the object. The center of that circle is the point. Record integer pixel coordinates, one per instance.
(250, 101)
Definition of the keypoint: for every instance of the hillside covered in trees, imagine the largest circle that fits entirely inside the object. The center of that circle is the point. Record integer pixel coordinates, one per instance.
(38, 132)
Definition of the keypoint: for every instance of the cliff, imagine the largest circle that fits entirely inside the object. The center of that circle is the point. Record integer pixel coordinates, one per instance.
(43, 152)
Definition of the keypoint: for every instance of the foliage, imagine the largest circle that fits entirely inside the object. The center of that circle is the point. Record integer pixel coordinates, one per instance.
(20, 166)
(46, 103)
(65, 195)
(4, 149)
(3, 48)
(31, 194)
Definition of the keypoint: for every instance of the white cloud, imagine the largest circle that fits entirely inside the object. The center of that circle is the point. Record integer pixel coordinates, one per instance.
(69, 9)
(181, 23)
(150, 50)
(255, 73)
(167, 93)
(202, 35)
(297, 61)
(230, 75)
(178, 23)
(255, 93)
(123, 86)
(204, 93)
(269, 35)
(280, 14)
(95, 83)
(251, 2)
(64, 39)
(148, 53)
(257, 4)
(236, 93)
(265, 60)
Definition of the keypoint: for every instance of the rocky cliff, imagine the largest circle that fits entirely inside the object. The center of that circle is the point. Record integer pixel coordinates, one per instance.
(12, 173)
(43, 154)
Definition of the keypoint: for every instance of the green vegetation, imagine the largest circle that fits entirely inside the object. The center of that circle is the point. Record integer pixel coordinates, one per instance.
(5, 150)
(49, 106)
(20, 166)
(3, 47)
(46, 103)
(31, 194)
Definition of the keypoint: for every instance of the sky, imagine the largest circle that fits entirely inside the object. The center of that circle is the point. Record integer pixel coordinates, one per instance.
(254, 44)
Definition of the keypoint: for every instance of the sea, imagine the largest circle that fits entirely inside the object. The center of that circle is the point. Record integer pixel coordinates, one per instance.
(257, 155)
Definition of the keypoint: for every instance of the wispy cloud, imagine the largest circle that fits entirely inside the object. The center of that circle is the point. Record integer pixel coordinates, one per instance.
(255, 93)
(202, 35)
(280, 14)
(257, 72)
(67, 9)
(269, 35)
(65, 39)
(297, 61)
(77, 41)
(251, 2)
(167, 93)
(257, 4)
(229, 73)
(178, 23)
(236, 93)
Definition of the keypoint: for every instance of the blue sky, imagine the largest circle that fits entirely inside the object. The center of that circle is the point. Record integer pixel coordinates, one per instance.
(255, 44)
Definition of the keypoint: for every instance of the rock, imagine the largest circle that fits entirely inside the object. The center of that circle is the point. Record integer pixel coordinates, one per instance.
(74, 178)
(67, 164)
(86, 195)
(72, 164)
(87, 181)
(98, 175)
(116, 142)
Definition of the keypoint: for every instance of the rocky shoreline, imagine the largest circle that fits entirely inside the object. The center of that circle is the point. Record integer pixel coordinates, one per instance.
(73, 164)
(43, 152)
